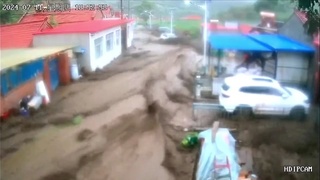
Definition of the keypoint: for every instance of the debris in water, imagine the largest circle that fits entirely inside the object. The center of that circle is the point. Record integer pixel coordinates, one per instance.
(77, 120)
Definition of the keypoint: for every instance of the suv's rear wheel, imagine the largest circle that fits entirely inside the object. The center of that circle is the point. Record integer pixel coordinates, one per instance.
(244, 112)
(298, 113)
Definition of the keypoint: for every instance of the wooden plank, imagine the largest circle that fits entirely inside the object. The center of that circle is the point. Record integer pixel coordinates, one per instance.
(245, 156)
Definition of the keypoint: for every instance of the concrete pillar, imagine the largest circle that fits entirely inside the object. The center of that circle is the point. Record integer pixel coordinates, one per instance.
(64, 68)
(46, 75)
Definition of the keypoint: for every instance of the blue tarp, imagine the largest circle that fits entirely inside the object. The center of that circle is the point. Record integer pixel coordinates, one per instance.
(235, 42)
(281, 43)
(256, 42)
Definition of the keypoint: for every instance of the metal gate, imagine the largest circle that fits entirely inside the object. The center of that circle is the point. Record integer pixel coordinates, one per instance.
(54, 74)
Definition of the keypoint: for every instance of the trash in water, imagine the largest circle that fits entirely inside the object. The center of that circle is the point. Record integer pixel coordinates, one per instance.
(77, 120)
(190, 140)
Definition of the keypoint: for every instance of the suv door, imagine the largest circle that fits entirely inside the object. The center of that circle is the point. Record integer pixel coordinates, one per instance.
(252, 96)
(273, 101)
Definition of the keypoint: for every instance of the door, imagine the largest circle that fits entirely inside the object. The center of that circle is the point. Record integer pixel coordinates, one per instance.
(273, 102)
(54, 74)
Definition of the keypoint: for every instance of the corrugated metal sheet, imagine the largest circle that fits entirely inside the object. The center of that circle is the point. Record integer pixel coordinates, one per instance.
(281, 43)
(235, 42)
(13, 57)
(14, 77)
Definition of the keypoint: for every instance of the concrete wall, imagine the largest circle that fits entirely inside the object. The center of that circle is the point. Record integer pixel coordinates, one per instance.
(82, 40)
(107, 57)
(294, 29)
(293, 68)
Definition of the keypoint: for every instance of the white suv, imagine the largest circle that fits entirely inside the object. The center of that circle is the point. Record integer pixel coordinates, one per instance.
(262, 95)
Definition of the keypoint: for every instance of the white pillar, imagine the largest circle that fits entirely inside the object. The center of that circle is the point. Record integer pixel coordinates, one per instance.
(205, 37)
(171, 22)
(149, 20)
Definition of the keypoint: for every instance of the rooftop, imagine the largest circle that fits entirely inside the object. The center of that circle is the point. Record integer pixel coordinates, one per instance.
(192, 17)
(64, 17)
(13, 57)
(85, 27)
(20, 35)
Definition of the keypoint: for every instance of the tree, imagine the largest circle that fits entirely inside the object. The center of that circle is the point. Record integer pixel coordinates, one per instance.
(311, 7)
(145, 6)
(265, 5)
(7, 16)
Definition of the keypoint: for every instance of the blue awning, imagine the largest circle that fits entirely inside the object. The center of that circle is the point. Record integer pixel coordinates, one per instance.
(236, 42)
(281, 43)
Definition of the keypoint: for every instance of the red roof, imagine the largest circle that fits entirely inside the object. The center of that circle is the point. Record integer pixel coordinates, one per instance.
(85, 27)
(65, 17)
(301, 15)
(243, 28)
(192, 17)
(20, 35)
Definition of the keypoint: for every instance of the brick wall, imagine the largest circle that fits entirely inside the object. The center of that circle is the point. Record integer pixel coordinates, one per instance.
(11, 100)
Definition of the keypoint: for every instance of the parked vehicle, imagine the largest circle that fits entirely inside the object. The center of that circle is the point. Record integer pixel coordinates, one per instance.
(165, 36)
(259, 95)
(164, 30)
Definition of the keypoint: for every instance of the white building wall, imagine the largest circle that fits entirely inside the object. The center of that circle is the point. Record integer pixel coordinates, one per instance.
(82, 40)
(130, 28)
(292, 68)
(86, 41)
(106, 57)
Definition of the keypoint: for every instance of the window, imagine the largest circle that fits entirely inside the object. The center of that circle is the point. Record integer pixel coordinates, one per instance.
(118, 37)
(225, 87)
(109, 42)
(273, 92)
(252, 90)
(98, 47)
(261, 90)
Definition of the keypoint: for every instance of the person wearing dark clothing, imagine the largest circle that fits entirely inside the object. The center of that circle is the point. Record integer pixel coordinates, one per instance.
(250, 58)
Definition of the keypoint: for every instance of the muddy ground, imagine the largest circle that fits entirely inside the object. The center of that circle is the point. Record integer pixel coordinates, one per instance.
(130, 110)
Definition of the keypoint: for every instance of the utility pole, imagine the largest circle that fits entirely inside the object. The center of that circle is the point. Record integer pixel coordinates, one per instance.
(171, 19)
(129, 12)
(121, 9)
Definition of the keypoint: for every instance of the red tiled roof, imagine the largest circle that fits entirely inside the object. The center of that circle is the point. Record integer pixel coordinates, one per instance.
(85, 27)
(20, 35)
(65, 17)
(243, 28)
(192, 17)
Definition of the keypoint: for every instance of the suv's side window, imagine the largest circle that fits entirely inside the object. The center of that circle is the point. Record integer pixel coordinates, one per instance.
(250, 90)
(260, 90)
(225, 87)
(273, 92)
